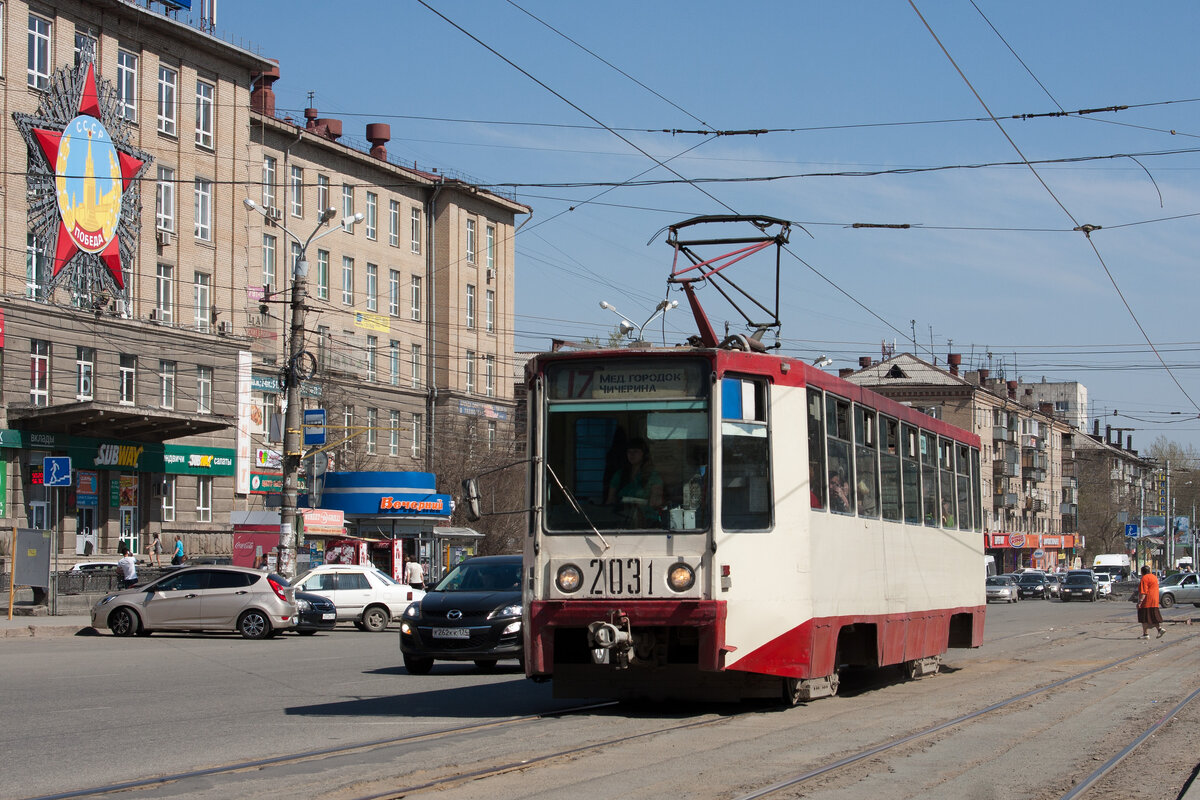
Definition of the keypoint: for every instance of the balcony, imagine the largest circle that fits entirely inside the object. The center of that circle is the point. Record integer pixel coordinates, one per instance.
(1005, 469)
(1006, 500)
(1034, 474)
(1067, 509)
(999, 433)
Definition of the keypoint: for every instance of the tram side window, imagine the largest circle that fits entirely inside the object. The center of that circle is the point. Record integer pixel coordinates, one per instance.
(889, 468)
(745, 455)
(816, 449)
(911, 466)
(962, 478)
(841, 473)
(866, 460)
(929, 478)
(977, 516)
(946, 470)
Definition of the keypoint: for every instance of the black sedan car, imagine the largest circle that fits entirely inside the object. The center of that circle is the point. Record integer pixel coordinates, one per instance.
(1080, 584)
(1033, 584)
(473, 614)
(314, 613)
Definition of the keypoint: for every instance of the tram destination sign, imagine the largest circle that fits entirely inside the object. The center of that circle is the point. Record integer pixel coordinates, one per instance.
(657, 379)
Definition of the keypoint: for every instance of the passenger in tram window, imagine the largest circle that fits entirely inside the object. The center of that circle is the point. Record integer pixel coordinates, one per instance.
(839, 491)
(637, 489)
(866, 498)
(947, 515)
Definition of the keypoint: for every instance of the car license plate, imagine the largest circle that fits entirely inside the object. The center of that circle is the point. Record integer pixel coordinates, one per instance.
(451, 633)
(328, 616)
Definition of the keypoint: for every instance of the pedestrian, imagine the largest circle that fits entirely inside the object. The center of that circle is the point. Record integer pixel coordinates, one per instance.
(156, 550)
(178, 558)
(128, 566)
(414, 574)
(1148, 612)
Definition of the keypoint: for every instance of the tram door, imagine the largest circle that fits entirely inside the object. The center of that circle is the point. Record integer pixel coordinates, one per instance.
(85, 532)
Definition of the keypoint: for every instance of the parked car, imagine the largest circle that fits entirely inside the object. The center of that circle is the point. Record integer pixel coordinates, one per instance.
(1054, 583)
(94, 566)
(314, 613)
(256, 604)
(1033, 584)
(1002, 587)
(1182, 587)
(473, 614)
(363, 595)
(1079, 584)
(1104, 584)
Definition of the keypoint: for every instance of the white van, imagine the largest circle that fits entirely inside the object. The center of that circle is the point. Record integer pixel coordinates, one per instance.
(1115, 564)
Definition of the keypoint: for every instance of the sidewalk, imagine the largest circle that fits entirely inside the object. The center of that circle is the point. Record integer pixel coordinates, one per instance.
(44, 626)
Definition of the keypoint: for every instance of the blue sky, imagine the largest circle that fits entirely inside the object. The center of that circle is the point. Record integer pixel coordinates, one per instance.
(991, 263)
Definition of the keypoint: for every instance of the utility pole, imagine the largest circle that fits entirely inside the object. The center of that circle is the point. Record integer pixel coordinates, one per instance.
(295, 372)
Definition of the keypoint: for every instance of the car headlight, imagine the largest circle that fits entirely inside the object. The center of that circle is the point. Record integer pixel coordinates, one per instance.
(569, 578)
(681, 577)
(513, 610)
(108, 598)
(512, 627)
(413, 611)
(303, 605)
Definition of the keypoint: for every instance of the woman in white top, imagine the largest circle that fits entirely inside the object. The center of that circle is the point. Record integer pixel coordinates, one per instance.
(414, 574)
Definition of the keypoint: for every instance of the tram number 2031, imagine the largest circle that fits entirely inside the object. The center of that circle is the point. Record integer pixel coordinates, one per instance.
(621, 576)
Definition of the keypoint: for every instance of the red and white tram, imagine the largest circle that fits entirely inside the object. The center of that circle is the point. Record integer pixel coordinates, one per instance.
(718, 523)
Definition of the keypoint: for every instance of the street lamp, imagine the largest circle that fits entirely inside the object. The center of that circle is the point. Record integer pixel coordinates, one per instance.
(289, 522)
(626, 327)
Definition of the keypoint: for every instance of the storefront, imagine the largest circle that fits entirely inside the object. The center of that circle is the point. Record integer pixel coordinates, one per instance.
(1016, 551)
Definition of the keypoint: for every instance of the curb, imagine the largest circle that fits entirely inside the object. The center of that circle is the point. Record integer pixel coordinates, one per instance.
(46, 631)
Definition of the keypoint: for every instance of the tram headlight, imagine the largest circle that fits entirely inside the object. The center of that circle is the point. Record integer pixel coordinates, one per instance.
(681, 577)
(569, 578)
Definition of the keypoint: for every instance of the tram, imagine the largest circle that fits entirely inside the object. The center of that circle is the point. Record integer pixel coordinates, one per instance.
(716, 521)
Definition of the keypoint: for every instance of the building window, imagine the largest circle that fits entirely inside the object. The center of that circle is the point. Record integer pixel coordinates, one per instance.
(168, 498)
(204, 484)
(166, 384)
(372, 214)
(204, 387)
(470, 241)
(322, 274)
(491, 311)
(203, 229)
(489, 375)
(393, 433)
(127, 85)
(416, 298)
(268, 181)
(416, 366)
(128, 389)
(322, 193)
(416, 230)
(418, 421)
(164, 293)
(372, 349)
(470, 307)
(205, 93)
(394, 223)
(85, 45)
(39, 372)
(491, 434)
(164, 200)
(470, 371)
(348, 423)
(372, 423)
(268, 263)
(372, 287)
(168, 82)
(39, 53)
(347, 281)
(295, 260)
(394, 292)
(394, 362)
(36, 267)
(201, 301)
(297, 177)
(348, 205)
(491, 246)
(85, 372)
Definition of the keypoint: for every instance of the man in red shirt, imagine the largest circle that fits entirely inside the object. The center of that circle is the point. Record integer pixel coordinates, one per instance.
(1147, 605)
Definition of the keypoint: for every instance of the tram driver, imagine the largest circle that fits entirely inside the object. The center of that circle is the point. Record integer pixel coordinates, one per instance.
(636, 490)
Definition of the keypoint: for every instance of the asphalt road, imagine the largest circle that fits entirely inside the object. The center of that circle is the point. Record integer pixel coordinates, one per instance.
(86, 711)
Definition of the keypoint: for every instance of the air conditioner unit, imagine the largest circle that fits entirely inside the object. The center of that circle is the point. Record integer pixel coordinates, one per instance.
(164, 238)
(224, 328)
(117, 308)
(156, 315)
(275, 213)
(491, 275)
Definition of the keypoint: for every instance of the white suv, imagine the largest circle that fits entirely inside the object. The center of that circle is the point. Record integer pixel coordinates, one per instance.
(362, 594)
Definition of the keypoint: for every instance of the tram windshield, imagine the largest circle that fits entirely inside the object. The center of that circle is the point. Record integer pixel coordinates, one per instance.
(626, 445)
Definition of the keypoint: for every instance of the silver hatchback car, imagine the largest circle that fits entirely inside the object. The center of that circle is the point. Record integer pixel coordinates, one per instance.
(254, 603)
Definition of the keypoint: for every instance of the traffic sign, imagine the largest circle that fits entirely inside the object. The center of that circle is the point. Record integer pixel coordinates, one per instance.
(1131, 531)
(314, 426)
(56, 471)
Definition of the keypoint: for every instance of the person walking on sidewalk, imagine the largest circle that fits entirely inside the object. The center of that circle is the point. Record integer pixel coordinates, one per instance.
(1148, 612)
(178, 558)
(128, 567)
(156, 550)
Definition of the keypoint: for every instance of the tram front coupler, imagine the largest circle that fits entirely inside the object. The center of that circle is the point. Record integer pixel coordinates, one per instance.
(611, 641)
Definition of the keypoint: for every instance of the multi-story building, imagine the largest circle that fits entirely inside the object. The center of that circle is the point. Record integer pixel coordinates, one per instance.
(1068, 399)
(1022, 451)
(142, 332)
